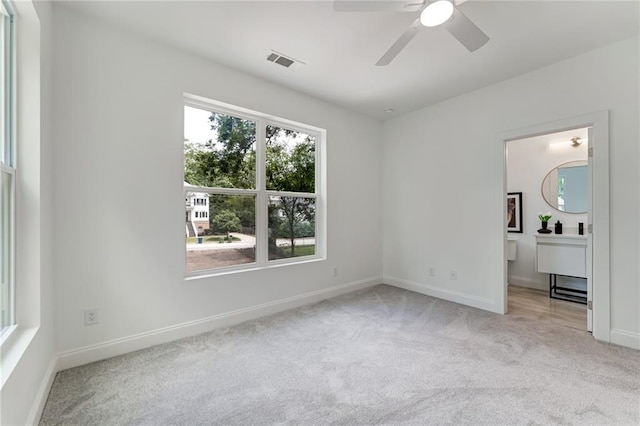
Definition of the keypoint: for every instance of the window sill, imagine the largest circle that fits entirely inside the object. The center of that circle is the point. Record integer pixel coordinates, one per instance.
(13, 346)
(250, 268)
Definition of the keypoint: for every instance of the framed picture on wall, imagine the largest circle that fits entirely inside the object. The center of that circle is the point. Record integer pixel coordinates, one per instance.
(514, 212)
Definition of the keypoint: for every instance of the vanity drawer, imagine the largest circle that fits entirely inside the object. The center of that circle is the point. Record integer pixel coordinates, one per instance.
(561, 259)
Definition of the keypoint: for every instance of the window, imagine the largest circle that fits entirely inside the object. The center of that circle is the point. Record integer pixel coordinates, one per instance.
(7, 171)
(259, 177)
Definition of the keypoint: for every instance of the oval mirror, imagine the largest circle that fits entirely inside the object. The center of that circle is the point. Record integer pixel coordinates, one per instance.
(565, 188)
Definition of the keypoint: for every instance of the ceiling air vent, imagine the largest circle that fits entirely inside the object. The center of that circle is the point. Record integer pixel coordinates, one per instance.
(285, 61)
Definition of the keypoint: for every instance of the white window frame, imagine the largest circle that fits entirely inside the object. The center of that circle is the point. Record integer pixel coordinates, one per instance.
(260, 193)
(8, 154)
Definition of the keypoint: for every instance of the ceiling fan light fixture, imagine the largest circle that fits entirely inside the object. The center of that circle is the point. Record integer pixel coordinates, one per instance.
(436, 13)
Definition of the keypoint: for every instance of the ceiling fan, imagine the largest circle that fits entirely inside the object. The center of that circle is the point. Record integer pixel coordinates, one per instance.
(433, 13)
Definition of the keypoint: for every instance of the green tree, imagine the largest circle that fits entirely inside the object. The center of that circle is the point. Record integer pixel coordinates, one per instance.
(235, 150)
(290, 167)
(229, 161)
(301, 229)
(226, 221)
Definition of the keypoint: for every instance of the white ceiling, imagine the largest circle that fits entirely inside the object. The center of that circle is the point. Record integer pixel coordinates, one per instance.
(340, 49)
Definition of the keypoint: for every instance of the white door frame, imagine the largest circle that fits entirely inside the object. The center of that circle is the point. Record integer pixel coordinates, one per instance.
(599, 122)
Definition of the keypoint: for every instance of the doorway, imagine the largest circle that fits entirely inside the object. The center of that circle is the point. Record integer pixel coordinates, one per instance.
(536, 305)
(597, 222)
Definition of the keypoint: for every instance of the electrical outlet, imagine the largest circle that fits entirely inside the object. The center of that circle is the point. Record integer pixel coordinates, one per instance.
(335, 271)
(91, 316)
(432, 271)
(453, 275)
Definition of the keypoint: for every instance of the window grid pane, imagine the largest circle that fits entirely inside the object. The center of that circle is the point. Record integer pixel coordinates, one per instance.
(292, 227)
(219, 150)
(290, 162)
(247, 156)
(220, 231)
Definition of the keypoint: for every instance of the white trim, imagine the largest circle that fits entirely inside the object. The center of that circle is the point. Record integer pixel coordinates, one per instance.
(272, 121)
(271, 193)
(215, 190)
(321, 194)
(441, 293)
(85, 355)
(599, 121)
(3, 10)
(227, 270)
(201, 102)
(8, 158)
(625, 338)
(11, 254)
(14, 345)
(8, 104)
(261, 193)
(502, 293)
(43, 393)
(261, 207)
(589, 253)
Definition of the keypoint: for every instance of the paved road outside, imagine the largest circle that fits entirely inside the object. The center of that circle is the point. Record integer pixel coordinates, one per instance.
(246, 241)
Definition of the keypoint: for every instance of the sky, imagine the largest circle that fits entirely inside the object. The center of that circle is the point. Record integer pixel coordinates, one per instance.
(197, 127)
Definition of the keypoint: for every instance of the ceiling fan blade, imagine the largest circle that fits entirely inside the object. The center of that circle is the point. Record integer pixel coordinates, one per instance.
(377, 5)
(400, 44)
(466, 31)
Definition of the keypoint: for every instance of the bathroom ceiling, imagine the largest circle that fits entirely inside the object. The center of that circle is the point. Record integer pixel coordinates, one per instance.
(339, 50)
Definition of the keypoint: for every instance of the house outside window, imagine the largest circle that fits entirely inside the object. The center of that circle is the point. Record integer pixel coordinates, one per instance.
(196, 211)
(255, 182)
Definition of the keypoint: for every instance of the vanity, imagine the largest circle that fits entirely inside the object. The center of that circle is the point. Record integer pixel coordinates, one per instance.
(563, 255)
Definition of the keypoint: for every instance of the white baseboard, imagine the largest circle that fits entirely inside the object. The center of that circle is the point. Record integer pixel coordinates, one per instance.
(527, 282)
(625, 338)
(43, 393)
(85, 355)
(441, 293)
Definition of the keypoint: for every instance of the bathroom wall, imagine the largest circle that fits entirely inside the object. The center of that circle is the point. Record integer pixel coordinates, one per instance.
(528, 162)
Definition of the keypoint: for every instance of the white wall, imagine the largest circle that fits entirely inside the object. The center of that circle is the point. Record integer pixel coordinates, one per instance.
(443, 198)
(528, 162)
(28, 356)
(118, 132)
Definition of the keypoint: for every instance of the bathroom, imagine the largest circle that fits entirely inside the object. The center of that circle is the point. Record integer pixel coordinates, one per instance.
(533, 183)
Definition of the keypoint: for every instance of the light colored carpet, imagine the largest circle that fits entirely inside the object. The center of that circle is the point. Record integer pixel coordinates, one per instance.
(376, 356)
